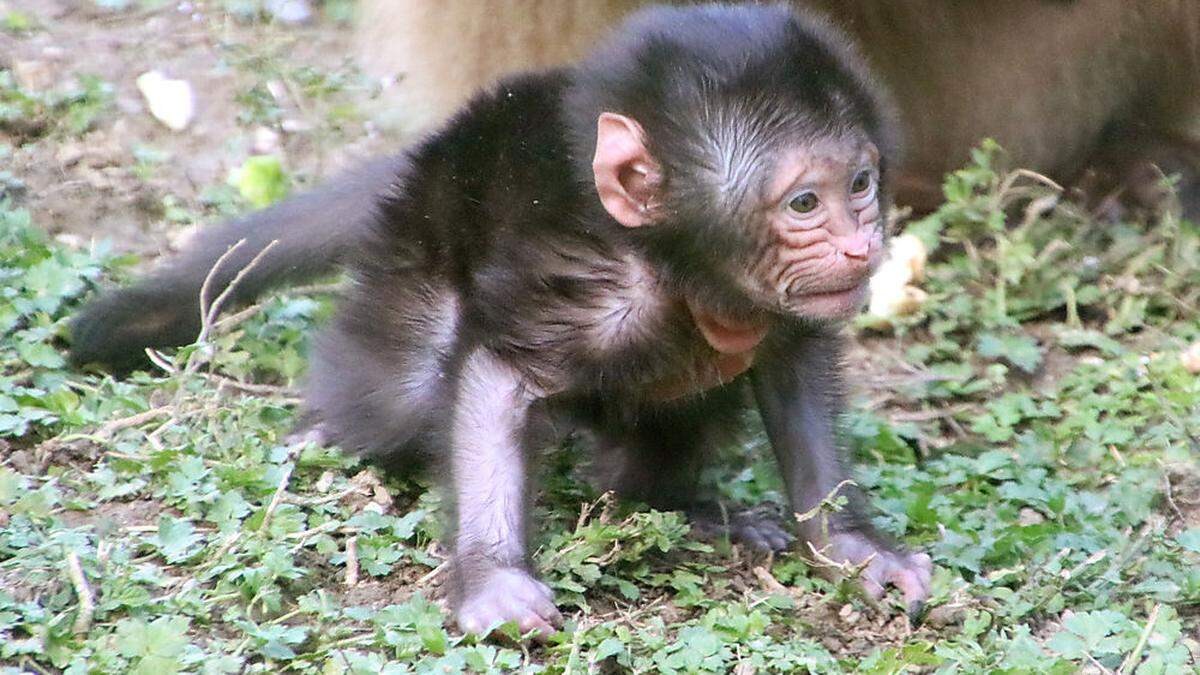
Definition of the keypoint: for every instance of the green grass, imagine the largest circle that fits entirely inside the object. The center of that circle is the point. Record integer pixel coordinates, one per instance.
(1031, 426)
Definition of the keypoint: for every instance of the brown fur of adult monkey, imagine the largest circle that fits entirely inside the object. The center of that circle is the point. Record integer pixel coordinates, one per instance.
(1063, 85)
(614, 245)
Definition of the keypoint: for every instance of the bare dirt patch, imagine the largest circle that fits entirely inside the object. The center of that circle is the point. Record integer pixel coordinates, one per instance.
(91, 187)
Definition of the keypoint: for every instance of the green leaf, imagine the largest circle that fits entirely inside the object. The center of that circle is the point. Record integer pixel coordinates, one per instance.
(608, 648)
(1020, 350)
(1089, 633)
(40, 355)
(176, 539)
(156, 647)
(1190, 539)
(261, 180)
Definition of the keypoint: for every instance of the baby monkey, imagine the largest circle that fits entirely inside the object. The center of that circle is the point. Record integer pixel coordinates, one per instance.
(628, 244)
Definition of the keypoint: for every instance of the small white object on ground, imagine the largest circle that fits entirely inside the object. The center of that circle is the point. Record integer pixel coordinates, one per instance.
(290, 11)
(266, 141)
(171, 101)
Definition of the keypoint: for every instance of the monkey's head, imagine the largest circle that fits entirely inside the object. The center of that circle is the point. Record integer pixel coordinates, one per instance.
(748, 156)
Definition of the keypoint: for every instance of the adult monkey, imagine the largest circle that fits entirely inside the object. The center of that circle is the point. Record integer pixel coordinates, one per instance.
(614, 244)
(1066, 86)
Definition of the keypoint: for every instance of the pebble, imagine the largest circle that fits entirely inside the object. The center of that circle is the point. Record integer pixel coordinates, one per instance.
(22, 461)
(33, 75)
(946, 615)
(294, 126)
(290, 11)
(68, 154)
(171, 101)
(266, 141)
(1028, 516)
(849, 614)
(1190, 358)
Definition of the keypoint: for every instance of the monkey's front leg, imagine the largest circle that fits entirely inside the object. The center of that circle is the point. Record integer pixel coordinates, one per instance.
(796, 386)
(493, 583)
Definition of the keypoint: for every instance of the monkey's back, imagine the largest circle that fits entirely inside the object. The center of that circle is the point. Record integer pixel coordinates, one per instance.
(481, 242)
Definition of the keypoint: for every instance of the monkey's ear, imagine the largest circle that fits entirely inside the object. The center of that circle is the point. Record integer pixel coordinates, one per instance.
(627, 178)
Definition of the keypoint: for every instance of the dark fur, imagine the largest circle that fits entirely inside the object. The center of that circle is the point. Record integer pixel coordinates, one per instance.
(315, 231)
(492, 241)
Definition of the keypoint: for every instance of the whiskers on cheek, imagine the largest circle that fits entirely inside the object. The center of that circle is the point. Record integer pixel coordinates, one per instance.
(784, 268)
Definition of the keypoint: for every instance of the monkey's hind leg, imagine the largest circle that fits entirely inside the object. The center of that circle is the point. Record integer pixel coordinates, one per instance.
(378, 375)
(657, 457)
(384, 384)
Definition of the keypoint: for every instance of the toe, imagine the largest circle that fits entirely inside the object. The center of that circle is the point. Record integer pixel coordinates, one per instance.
(873, 588)
(760, 532)
(771, 537)
(544, 609)
(916, 613)
(911, 583)
(471, 622)
(542, 630)
(511, 595)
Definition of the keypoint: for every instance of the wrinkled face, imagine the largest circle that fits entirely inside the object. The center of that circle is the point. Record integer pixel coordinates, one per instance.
(811, 232)
(818, 230)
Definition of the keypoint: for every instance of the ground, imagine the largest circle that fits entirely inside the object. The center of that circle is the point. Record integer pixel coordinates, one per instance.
(1032, 424)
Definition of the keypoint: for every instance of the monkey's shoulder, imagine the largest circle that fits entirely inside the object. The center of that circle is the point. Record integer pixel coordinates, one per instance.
(500, 168)
(505, 130)
(596, 319)
(586, 293)
(629, 306)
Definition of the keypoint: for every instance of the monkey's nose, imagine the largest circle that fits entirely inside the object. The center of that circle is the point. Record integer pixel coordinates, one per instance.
(856, 246)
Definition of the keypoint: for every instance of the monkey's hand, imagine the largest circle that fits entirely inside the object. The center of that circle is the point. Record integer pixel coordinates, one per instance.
(509, 594)
(909, 572)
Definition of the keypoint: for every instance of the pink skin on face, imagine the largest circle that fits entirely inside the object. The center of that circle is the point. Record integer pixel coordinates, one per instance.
(825, 236)
(814, 263)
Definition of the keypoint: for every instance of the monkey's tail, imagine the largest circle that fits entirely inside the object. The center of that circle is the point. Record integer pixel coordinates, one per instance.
(313, 233)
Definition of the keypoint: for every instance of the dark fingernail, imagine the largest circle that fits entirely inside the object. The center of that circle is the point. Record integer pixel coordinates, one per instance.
(916, 613)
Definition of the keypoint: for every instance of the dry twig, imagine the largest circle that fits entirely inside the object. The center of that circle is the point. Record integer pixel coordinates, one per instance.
(87, 601)
(1135, 656)
(351, 561)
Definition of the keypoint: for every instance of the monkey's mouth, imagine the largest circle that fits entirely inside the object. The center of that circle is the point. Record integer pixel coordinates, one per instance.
(855, 289)
(726, 335)
(836, 303)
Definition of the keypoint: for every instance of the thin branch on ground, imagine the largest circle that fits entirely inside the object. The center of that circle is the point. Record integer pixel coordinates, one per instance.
(83, 592)
(1135, 656)
(351, 561)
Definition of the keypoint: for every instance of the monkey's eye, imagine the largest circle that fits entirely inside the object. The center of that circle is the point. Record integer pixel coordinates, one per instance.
(805, 202)
(861, 183)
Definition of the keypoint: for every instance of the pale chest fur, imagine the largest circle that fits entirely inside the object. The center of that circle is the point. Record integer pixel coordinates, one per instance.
(631, 308)
(638, 319)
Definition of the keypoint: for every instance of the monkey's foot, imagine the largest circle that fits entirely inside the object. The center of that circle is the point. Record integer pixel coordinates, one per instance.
(909, 572)
(755, 528)
(509, 594)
